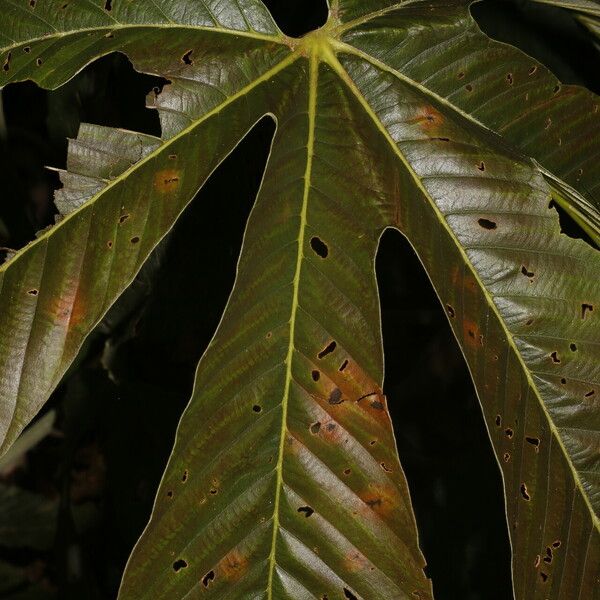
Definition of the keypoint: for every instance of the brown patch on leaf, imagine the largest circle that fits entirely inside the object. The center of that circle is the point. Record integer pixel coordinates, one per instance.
(69, 309)
(378, 404)
(464, 281)
(354, 561)
(381, 499)
(429, 118)
(470, 284)
(167, 180)
(374, 404)
(233, 566)
(335, 397)
(471, 334)
(355, 380)
(331, 432)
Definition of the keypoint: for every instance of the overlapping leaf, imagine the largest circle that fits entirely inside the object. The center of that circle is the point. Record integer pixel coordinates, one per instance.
(586, 11)
(284, 481)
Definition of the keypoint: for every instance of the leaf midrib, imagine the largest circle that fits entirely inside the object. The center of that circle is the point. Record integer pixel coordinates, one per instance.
(345, 77)
(312, 110)
(280, 38)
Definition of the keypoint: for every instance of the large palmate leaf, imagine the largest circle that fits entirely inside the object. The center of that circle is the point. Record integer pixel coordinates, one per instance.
(284, 481)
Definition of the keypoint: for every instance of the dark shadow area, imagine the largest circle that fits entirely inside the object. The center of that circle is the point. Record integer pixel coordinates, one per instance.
(454, 479)
(570, 227)
(297, 17)
(549, 34)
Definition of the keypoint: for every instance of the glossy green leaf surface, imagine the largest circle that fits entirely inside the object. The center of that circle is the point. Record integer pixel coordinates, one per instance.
(285, 481)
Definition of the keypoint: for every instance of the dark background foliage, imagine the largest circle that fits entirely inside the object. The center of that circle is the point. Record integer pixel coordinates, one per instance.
(85, 491)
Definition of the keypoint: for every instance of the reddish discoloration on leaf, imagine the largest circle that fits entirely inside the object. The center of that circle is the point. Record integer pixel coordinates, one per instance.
(472, 334)
(233, 566)
(374, 405)
(381, 499)
(167, 180)
(333, 432)
(376, 401)
(429, 118)
(470, 285)
(354, 561)
(327, 428)
(354, 380)
(69, 309)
